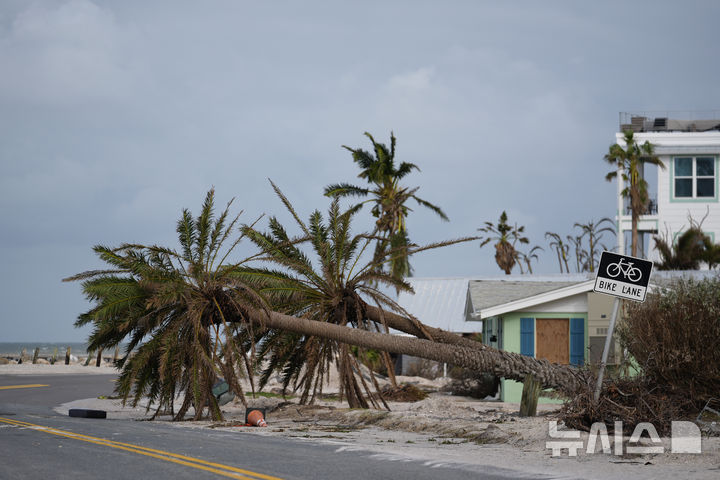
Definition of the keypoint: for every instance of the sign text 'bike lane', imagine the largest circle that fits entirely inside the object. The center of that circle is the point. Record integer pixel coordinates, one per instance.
(623, 276)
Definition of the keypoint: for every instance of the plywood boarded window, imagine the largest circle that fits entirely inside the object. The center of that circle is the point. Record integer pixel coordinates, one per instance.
(553, 339)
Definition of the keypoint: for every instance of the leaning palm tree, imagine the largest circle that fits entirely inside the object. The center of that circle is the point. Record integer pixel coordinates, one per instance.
(333, 289)
(176, 309)
(629, 161)
(389, 200)
(506, 238)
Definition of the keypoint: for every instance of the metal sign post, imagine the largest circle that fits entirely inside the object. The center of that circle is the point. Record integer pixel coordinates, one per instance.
(622, 277)
(606, 350)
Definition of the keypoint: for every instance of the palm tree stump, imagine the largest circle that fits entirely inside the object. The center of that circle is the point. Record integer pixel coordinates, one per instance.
(530, 396)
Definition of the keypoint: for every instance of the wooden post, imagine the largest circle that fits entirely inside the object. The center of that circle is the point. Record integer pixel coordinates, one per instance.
(54, 356)
(67, 356)
(530, 395)
(35, 355)
(99, 358)
(22, 355)
(116, 355)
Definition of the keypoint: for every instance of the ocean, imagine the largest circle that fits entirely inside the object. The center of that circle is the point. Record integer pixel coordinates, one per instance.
(47, 349)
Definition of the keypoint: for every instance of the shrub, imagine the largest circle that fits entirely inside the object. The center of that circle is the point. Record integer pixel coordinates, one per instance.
(675, 338)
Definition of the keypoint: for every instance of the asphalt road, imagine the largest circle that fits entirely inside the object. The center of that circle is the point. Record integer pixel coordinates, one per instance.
(38, 443)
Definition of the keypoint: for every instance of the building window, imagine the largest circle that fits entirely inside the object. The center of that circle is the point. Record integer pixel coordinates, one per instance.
(694, 177)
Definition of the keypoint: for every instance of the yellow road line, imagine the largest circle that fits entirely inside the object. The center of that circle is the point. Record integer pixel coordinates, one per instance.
(8, 387)
(218, 468)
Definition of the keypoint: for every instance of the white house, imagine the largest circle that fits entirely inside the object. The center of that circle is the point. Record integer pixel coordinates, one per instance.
(686, 188)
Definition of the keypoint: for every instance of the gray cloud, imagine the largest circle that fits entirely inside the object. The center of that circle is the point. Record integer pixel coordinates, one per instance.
(115, 115)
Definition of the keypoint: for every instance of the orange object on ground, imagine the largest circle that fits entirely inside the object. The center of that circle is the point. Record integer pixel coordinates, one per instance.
(256, 419)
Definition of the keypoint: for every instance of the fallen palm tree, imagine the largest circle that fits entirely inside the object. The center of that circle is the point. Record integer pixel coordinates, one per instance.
(477, 356)
(191, 317)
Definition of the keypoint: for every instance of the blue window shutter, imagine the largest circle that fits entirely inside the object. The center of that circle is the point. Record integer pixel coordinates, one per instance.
(577, 341)
(527, 336)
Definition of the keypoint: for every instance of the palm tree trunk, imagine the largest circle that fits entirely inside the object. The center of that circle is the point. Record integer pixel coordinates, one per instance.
(557, 250)
(634, 239)
(635, 207)
(480, 358)
(417, 328)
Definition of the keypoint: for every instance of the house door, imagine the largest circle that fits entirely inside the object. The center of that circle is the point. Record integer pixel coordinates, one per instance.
(553, 339)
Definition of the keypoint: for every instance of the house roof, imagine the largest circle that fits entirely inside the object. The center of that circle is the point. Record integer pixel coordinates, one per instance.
(512, 296)
(440, 303)
(490, 293)
(458, 304)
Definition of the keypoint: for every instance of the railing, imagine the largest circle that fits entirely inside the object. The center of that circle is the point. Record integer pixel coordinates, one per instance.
(626, 117)
(652, 208)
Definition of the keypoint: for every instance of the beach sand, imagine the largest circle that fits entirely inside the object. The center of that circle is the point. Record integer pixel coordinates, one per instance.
(440, 430)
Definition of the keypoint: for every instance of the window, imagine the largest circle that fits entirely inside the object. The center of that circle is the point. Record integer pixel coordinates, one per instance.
(694, 177)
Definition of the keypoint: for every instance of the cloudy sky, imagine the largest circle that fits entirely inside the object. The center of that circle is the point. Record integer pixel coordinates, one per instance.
(116, 115)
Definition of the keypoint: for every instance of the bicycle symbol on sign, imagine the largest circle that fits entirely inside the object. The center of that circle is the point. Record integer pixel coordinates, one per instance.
(633, 274)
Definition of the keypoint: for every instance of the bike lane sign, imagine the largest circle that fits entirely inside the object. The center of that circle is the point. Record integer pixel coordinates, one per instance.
(623, 276)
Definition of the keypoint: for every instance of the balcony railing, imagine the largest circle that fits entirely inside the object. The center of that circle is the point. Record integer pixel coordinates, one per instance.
(678, 120)
(652, 208)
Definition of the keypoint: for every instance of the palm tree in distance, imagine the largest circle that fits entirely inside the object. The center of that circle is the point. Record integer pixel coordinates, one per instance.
(594, 232)
(179, 310)
(629, 161)
(389, 200)
(506, 238)
(581, 255)
(527, 258)
(561, 248)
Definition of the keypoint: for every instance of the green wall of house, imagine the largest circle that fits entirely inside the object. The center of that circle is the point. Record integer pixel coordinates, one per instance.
(511, 391)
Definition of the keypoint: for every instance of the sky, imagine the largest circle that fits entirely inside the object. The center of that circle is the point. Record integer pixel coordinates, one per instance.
(114, 116)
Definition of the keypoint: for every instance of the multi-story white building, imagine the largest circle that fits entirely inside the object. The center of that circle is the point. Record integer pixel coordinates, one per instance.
(687, 188)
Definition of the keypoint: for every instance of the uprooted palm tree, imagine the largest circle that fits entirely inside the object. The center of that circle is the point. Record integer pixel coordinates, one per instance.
(186, 306)
(330, 290)
(177, 308)
(506, 238)
(389, 201)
